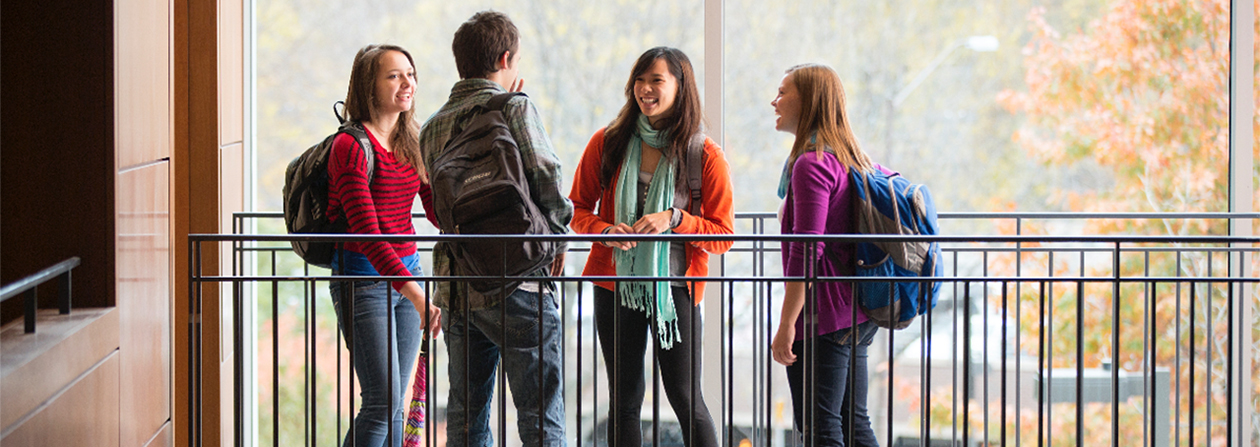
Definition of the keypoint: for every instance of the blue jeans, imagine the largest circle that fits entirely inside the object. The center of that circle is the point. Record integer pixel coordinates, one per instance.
(380, 352)
(837, 406)
(531, 360)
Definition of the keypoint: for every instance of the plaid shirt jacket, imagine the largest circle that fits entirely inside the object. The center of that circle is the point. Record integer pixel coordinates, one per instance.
(542, 170)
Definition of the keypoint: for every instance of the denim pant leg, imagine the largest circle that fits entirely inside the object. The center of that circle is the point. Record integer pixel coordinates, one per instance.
(838, 404)
(532, 362)
(470, 370)
(381, 354)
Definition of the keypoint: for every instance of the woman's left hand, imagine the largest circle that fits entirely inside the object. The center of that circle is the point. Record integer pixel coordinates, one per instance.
(781, 347)
(655, 223)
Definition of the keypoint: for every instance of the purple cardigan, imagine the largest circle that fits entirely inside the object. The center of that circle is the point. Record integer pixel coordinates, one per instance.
(818, 202)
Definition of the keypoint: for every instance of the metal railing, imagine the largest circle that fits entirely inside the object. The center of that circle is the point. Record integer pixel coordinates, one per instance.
(1037, 340)
(28, 288)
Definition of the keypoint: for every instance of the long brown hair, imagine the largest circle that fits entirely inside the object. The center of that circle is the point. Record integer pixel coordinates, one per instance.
(823, 116)
(361, 104)
(683, 123)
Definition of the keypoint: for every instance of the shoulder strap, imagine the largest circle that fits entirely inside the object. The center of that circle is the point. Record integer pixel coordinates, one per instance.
(695, 170)
(356, 130)
(497, 102)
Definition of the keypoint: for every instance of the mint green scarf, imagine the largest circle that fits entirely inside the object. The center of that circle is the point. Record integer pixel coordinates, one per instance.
(647, 259)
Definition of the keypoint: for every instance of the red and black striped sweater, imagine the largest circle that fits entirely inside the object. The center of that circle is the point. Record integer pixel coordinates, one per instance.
(384, 207)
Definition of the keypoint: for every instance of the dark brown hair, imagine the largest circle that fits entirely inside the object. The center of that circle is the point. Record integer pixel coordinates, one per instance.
(823, 114)
(683, 122)
(480, 42)
(362, 103)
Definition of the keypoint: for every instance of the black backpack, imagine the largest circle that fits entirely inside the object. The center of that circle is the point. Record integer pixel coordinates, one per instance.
(479, 187)
(306, 193)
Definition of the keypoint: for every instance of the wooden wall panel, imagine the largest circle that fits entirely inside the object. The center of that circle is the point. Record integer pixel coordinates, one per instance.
(33, 368)
(208, 177)
(231, 73)
(143, 106)
(144, 301)
(84, 415)
(164, 437)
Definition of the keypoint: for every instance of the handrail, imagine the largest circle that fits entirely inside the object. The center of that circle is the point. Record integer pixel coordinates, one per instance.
(27, 287)
(12, 289)
(958, 215)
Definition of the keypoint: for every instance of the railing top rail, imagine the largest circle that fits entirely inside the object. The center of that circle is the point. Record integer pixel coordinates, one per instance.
(207, 237)
(16, 288)
(1048, 215)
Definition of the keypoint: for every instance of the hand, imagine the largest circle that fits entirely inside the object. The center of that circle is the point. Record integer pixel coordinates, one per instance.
(781, 347)
(431, 316)
(620, 228)
(557, 266)
(434, 320)
(518, 84)
(655, 223)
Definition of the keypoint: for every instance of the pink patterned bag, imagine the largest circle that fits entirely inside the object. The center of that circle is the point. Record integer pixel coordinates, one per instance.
(413, 434)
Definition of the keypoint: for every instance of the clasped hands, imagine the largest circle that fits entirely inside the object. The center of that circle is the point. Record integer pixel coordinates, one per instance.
(655, 223)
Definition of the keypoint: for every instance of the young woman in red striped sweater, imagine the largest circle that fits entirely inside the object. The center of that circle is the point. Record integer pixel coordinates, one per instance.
(370, 313)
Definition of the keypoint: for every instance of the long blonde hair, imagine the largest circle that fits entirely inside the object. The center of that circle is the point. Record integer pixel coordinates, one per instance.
(823, 116)
(361, 101)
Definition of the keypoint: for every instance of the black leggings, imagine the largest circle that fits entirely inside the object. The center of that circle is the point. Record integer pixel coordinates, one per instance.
(628, 330)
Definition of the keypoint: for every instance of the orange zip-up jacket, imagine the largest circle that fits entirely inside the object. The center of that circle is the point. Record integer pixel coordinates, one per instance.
(718, 217)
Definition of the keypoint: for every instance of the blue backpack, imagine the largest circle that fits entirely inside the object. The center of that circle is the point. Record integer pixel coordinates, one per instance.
(891, 205)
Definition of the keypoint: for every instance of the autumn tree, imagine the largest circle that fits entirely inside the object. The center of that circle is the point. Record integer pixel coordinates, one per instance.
(1143, 94)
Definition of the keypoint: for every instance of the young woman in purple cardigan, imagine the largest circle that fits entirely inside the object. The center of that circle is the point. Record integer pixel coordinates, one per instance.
(815, 189)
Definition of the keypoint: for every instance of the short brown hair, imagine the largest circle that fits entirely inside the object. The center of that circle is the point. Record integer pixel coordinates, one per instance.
(480, 42)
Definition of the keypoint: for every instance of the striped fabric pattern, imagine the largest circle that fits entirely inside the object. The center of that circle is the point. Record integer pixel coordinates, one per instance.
(384, 207)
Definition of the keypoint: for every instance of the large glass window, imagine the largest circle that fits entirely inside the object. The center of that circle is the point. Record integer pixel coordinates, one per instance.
(1059, 106)
(576, 57)
(1113, 106)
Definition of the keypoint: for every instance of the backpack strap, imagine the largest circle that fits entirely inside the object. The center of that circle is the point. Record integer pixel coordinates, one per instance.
(355, 130)
(695, 170)
(497, 102)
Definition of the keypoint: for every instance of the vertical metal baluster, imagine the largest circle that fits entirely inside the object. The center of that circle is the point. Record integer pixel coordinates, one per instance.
(1002, 402)
(966, 345)
(275, 363)
(953, 367)
(1193, 289)
(1115, 349)
(1080, 356)
(1043, 384)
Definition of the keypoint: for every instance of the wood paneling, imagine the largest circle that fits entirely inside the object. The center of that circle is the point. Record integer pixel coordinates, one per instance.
(33, 368)
(231, 200)
(144, 301)
(164, 438)
(211, 87)
(231, 73)
(143, 81)
(86, 414)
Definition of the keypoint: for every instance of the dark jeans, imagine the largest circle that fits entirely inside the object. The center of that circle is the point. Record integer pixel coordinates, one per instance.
(837, 405)
(525, 330)
(381, 352)
(623, 335)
